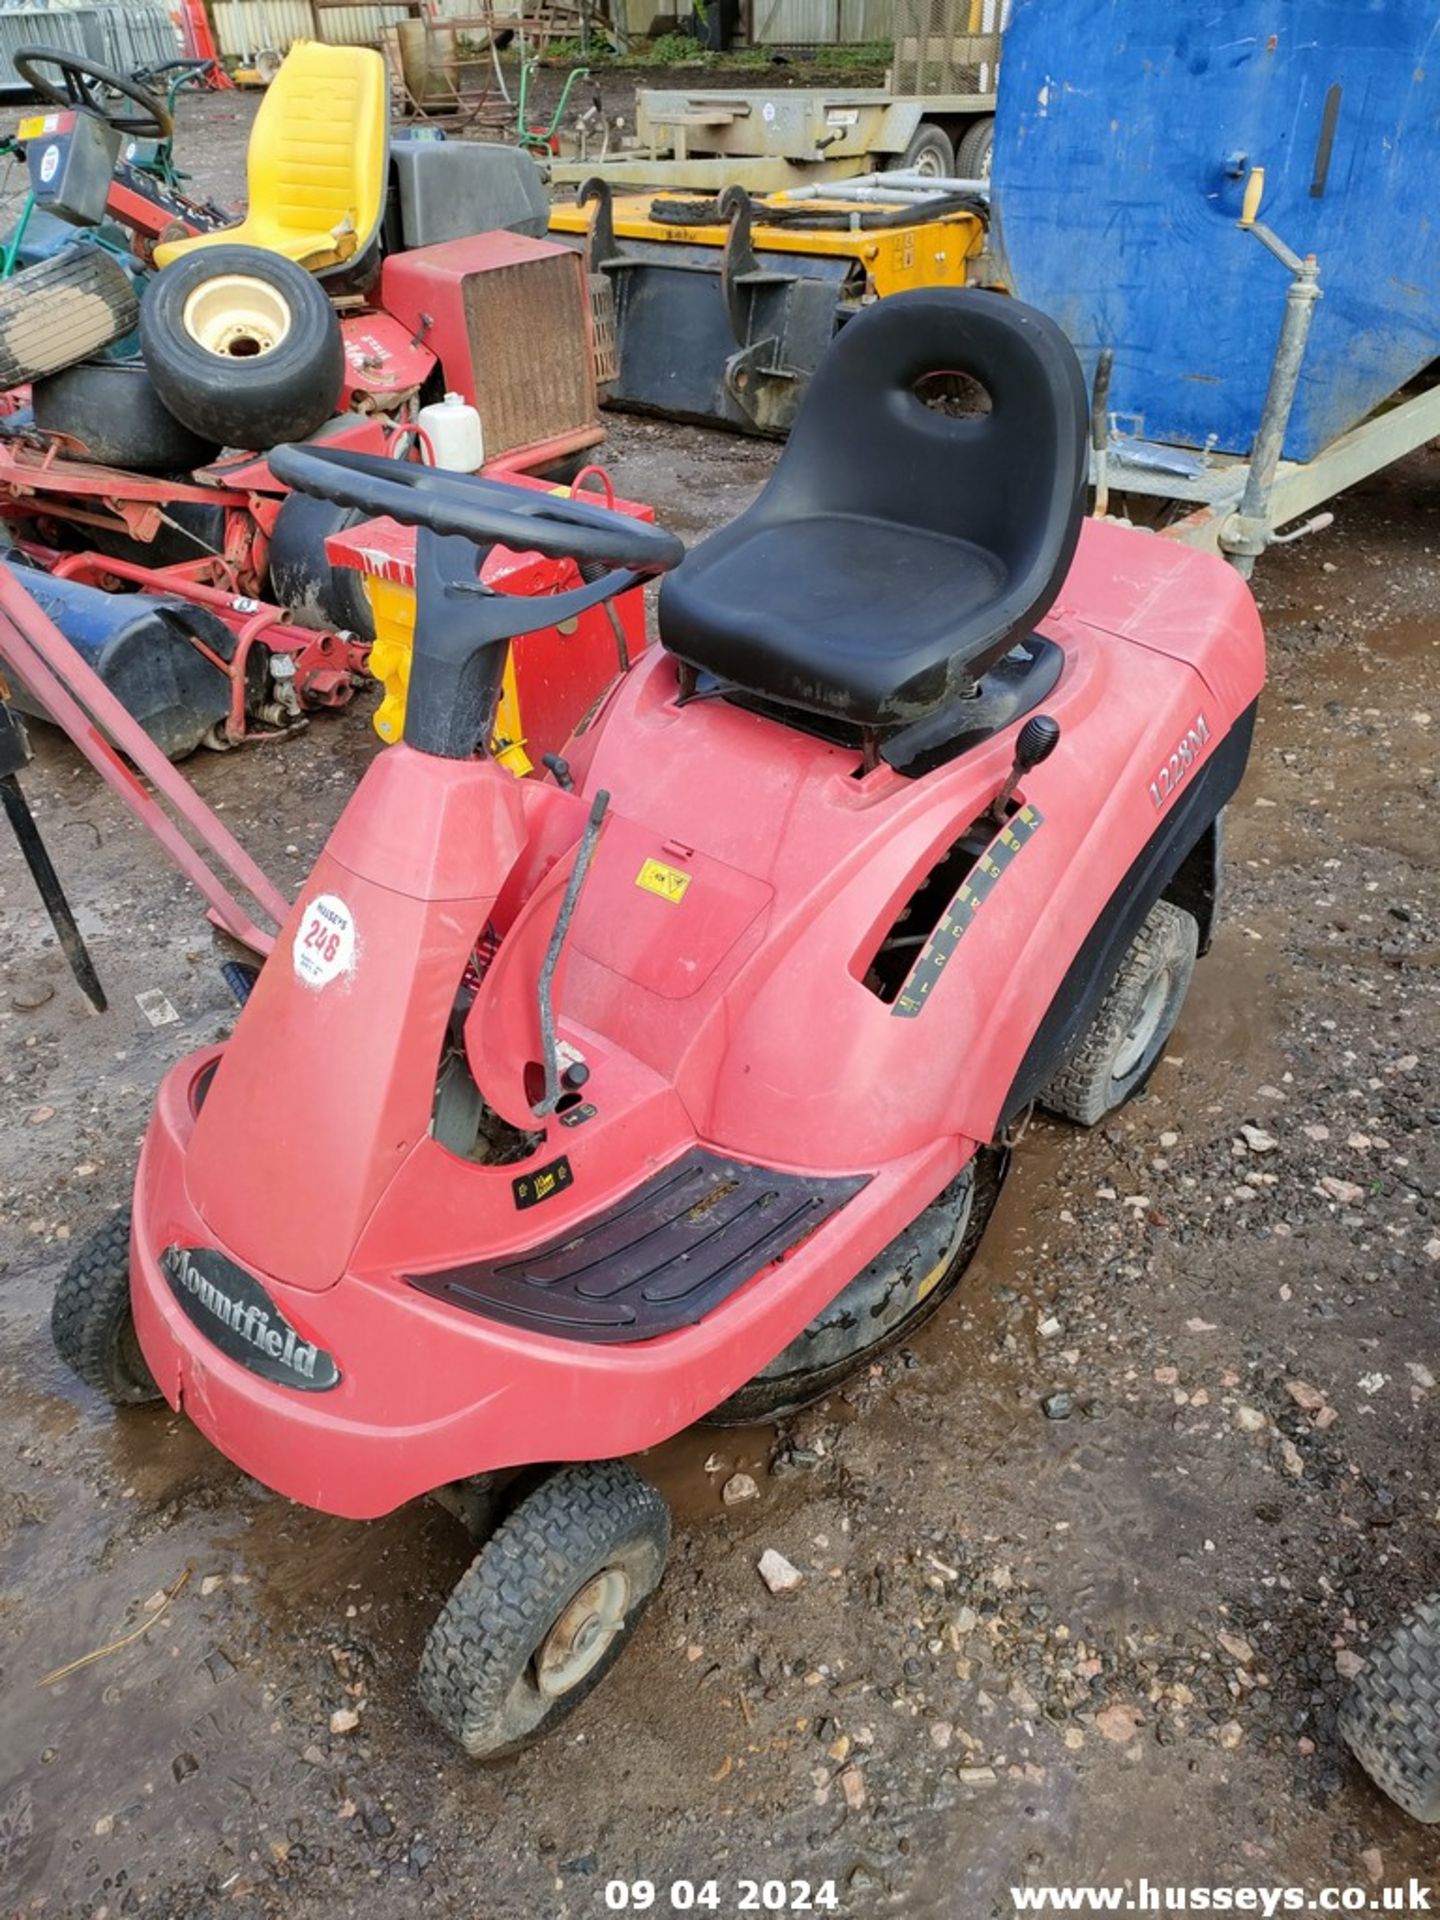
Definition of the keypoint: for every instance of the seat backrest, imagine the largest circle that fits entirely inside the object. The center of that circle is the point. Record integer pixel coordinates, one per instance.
(319, 148)
(1011, 480)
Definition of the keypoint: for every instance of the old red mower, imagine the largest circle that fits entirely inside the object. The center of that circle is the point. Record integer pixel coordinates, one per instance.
(567, 1113)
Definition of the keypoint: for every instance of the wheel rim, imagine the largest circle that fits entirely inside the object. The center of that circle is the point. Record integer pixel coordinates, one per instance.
(237, 316)
(1140, 1036)
(579, 1639)
(927, 165)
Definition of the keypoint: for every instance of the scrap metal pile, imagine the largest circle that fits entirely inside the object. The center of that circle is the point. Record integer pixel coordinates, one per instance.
(154, 347)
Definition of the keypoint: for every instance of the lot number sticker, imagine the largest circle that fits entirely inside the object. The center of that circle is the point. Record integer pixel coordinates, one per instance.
(325, 941)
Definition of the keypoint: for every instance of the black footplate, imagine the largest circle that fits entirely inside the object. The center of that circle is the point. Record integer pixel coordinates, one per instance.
(662, 1258)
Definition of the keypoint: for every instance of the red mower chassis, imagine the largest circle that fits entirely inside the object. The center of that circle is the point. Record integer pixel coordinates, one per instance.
(724, 1014)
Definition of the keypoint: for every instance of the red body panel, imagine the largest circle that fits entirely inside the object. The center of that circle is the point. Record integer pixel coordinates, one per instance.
(727, 1007)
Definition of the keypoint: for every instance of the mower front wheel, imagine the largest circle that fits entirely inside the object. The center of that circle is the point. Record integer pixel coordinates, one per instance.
(1390, 1719)
(91, 1322)
(545, 1608)
(1118, 1050)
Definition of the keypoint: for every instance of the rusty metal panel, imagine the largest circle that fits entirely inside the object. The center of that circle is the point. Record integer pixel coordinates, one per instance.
(528, 325)
(242, 27)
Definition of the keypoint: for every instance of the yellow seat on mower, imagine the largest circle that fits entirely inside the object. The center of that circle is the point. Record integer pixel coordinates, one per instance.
(316, 164)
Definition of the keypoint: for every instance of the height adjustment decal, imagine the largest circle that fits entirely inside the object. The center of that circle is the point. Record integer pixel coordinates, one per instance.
(981, 882)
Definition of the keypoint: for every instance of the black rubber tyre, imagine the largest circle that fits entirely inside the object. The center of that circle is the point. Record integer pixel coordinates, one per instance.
(929, 152)
(1118, 1050)
(302, 579)
(113, 410)
(91, 1322)
(1390, 1719)
(894, 1296)
(61, 309)
(492, 1673)
(976, 151)
(243, 346)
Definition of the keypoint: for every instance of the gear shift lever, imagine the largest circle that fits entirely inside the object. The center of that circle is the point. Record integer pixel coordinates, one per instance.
(1038, 739)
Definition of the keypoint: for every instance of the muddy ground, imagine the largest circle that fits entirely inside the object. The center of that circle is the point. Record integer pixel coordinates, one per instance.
(1025, 1650)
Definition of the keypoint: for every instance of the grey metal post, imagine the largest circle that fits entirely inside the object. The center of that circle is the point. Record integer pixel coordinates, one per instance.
(1246, 533)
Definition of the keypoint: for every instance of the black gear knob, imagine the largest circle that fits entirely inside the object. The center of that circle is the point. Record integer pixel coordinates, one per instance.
(1039, 738)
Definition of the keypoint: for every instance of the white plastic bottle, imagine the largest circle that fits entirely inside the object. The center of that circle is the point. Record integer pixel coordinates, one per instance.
(456, 436)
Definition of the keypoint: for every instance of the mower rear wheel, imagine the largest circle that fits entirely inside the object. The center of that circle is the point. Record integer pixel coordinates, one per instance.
(112, 409)
(61, 309)
(545, 1608)
(1118, 1050)
(91, 1322)
(302, 578)
(243, 346)
(1390, 1719)
(882, 1306)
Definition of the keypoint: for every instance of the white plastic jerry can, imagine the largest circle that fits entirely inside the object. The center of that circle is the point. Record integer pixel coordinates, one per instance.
(457, 439)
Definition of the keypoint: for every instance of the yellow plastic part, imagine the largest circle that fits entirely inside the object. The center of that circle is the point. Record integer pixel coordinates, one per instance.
(315, 167)
(393, 606)
(1254, 193)
(929, 253)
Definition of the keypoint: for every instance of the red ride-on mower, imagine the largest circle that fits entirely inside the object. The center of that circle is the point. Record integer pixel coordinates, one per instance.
(681, 1085)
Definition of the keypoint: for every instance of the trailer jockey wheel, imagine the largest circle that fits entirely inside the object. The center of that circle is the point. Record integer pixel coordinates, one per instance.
(92, 1323)
(546, 1607)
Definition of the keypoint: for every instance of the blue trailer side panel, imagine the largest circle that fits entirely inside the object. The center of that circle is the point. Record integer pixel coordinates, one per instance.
(1125, 131)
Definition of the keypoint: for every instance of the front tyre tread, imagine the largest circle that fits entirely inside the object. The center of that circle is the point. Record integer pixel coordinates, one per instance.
(1390, 1719)
(474, 1670)
(91, 1321)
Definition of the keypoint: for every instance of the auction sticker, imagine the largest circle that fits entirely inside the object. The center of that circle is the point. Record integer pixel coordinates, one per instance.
(324, 941)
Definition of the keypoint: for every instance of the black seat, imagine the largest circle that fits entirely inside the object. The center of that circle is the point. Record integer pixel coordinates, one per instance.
(898, 551)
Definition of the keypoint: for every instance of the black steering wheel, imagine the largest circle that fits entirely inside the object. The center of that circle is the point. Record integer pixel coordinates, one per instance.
(489, 512)
(83, 83)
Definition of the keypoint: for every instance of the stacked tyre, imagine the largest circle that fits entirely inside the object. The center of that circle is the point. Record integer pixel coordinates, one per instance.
(243, 346)
(237, 348)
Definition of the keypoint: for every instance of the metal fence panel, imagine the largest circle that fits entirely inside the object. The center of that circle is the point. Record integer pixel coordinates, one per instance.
(822, 23)
(948, 46)
(137, 35)
(62, 27)
(243, 27)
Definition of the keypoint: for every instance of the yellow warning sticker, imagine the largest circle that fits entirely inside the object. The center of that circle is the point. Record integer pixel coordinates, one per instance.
(669, 882)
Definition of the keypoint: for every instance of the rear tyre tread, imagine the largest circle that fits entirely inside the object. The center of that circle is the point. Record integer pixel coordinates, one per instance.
(1390, 1719)
(91, 1322)
(973, 156)
(563, 1533)
(1086, 1088)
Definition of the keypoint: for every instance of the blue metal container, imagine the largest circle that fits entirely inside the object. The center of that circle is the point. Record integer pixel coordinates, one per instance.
(1125, 134)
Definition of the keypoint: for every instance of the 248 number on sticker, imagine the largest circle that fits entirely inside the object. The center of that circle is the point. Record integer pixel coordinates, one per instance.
(324, 944)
